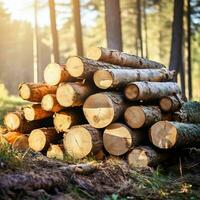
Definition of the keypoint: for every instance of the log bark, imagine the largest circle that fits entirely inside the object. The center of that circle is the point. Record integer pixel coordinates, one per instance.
(73, 94)
(119, 139)
(118, 78)
(50, 103)
(166, 135)
(21, 143)
(55, 74)
(15, 121)
(144, 116)
(120, 58)
(35, 112)
(35, 91)
(83, 140)
(56, 151)
(101, 109)
(11, 136)
(65, 119)
(144, 156)
(150, 90)
(40, 139)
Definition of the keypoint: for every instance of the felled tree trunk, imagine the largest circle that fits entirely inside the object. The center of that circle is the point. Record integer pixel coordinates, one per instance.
(21, 143)
(11, 136)
(56, 151)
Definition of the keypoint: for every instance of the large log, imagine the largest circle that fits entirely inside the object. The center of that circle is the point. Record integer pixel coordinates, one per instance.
(35, 91)
(120, 58)
(55, 74)
(101, 109)
(21, 143)
(118, 78)
(56, 151)
(11, 136)
(118, 138)
(166, 134)
(73, 94)
(83, 140)
(144, 156)
(15, 121)
(150, 90)
(40, 139)
(50, 103)
(144, 116)
(35, 112)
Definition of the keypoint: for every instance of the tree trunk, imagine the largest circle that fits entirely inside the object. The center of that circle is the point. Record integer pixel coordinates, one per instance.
(145, 28)
(166, 135)
(150, 90)
(50, 103)
(118, 139)
(11, 136)
(35, 112)
(118, 78)
(120, 58)
(35, 91)
(144, 156)
(40, 139)
(113, 24)
(101, 109)
(73, 94)
(21, 143)
(56, 151)
(83, 140)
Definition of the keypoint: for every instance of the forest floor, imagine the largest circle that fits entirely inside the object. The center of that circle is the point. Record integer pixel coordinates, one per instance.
(31, 175)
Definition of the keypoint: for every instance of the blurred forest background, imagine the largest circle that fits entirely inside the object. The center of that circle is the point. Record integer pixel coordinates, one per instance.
(26, 35)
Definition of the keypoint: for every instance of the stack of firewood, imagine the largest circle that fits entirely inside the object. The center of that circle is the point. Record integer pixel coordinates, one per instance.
(109, 103)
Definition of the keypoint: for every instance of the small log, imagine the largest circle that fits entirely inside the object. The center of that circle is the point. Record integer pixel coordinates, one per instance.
(3, 140)
(11, 136)
(35, 112)
(166, 135)
(118, 138)
(50, 103)
(65, 119)
(101, 109)
(15, 121)
(3, 129)
(55, 74)
(73, 94)
(21, 143)
(83, 140)
(56, 151)
(40, 139)
(120, 58)
(150, 90)
(118, 78)
(35, 91)
(144, 116)
(144, 156)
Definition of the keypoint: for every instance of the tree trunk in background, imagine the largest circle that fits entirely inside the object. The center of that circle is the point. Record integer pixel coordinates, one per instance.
(160, 9)
(113, 24)
(145, 28)
(78, 28)
(176, 54)
(54, 32)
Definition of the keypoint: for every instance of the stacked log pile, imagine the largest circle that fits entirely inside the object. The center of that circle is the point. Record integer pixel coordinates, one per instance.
(109, 103)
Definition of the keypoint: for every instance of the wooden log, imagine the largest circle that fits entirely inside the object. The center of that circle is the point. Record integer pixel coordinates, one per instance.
(35, 91)
(15, 121)
(21, 143)
(56, 151)
(120, 58)
(40, 139)
(3, 129)
(55, 74)
(166, 134)
(171, 103)
(83, 140)
(118, 138)
(73, 94)
(144, 116)
(144, 156)
(101, 109)
(50, 103)
(11, 136)
(150, 90)
(35, 112)
(65, 119)
(3, 140)
(118, 78)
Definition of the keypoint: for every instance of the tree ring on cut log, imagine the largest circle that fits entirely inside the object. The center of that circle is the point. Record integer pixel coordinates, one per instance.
(78, 142)
(98, 110)
(131, 91)
(12, 121)
(29, 113)
(75, 66)
(25, 91)
(52, 74)
(117, 139)
(166, 104)
(47, 102)
(55, 151)
(103, 79)
(94, 53)
(163, 134)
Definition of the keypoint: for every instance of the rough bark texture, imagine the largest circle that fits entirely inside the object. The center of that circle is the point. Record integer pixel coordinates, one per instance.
(150, 90)
(11, 136)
